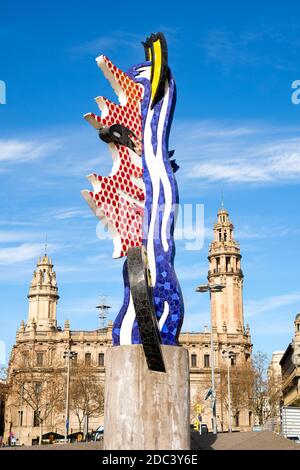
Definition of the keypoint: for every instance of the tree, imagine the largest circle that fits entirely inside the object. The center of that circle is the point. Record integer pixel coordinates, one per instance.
(41, 388)
(274, 384)
(3, 384)
(86, 393)
(261, 388)
(198, 398)
(3, 396)
(241, 388)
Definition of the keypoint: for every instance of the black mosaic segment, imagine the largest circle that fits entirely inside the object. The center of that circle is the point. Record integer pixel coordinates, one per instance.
(144, 308)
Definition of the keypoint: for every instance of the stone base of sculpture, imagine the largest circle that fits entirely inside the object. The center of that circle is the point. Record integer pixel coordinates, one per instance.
(146, 410)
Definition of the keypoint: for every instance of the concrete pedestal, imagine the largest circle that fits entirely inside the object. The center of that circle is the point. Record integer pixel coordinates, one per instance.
(145, 409)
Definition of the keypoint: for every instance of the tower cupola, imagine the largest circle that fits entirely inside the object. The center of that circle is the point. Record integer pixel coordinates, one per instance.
(43, 296)
(225, 269)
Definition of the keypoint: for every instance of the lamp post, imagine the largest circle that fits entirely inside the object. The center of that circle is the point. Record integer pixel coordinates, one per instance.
(68, 354)
(228, 355)
(20, 412)
(212, 288)
(103, 308)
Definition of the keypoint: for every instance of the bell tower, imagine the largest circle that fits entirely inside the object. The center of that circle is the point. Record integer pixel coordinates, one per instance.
(43, 296)
(225, 269)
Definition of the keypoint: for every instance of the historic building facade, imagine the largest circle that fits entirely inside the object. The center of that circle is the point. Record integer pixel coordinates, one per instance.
(47, 343)
(290, 369)
(2, 406)
(231, 339)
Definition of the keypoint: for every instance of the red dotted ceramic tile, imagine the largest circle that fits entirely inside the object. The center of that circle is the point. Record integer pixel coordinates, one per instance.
(116, 199)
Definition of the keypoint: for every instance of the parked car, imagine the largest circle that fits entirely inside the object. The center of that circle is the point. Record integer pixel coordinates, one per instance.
(204, 428)
(295, 439)
(98, 434)
(76, 436)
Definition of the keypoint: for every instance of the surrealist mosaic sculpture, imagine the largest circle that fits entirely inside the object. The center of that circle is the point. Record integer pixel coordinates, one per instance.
(137, 201)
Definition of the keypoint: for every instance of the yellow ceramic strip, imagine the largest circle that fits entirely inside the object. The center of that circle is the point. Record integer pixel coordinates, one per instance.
(157, 67)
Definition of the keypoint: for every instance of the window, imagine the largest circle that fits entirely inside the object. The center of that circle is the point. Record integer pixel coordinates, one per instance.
(101, 360)
(38, 388)
(21, 391)
(237, 419)
(225, 236)
(220, 234)
(194, 360)
(218, 264)
(298, 326)
(88, 359)
(36, 418)
(39, 358)
(250, 418)
(206, 360)
(21, 418)
(228, 264)
(25, 358)
(233, 360)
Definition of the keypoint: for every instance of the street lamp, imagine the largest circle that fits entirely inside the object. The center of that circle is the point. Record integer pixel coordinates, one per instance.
(21, 411)
(228, 355)
(68, 354)
(212, 288)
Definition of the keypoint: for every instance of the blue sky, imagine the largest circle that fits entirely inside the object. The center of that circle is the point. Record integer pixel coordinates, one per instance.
(235, 131)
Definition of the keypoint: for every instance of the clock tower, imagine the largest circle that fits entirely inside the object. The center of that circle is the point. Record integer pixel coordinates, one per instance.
(225, 269)
(43, 297)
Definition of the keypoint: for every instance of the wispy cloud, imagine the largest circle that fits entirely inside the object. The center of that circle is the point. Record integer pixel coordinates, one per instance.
(248, 232)
(274, 162)
(213, 151)
(17, 236)
(223, 47)
(17, 151)
(256, 307)
(115, 40)
(229, 48)
(123, 40)
(70, 213)
(17, 223)
(23, 252)
(218, 152)
(191, 272)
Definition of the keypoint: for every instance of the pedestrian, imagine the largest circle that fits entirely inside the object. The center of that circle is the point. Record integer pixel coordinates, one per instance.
(12, 439)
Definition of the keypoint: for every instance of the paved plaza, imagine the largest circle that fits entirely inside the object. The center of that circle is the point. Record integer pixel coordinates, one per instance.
(265, 440)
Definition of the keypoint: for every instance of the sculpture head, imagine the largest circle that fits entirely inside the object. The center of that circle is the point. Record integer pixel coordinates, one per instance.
(118, 199)
(136, 201)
